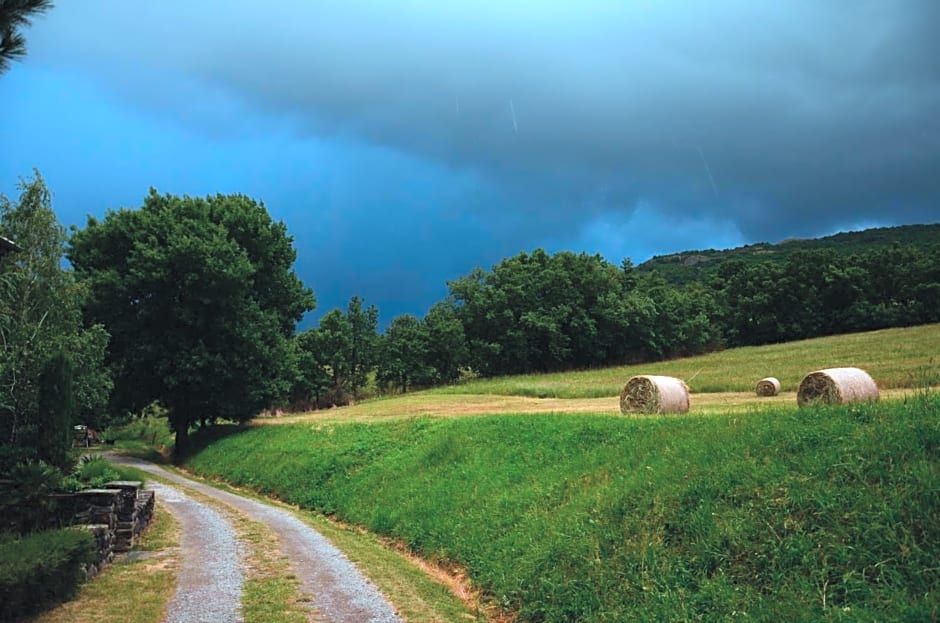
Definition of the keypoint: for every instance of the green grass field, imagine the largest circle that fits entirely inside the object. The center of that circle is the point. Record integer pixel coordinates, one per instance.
(823, 514)
(745, 509)
(894, 357)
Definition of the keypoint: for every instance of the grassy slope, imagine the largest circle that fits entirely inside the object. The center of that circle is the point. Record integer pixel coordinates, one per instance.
(894, 357)
(830, 514)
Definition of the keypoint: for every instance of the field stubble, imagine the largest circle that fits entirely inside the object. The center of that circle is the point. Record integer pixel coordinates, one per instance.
(900, 360)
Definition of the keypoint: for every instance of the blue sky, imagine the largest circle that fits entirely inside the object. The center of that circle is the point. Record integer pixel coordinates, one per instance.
(404, 143)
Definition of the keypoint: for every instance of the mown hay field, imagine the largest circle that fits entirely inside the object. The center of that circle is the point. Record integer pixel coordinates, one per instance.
(901, 361)
(894, 357)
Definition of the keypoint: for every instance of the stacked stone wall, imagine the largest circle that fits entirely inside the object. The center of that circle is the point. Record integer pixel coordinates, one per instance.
(116, 514)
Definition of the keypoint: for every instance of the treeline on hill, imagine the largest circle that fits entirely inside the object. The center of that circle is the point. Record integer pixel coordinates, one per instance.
(192, 304)
(537, 312)
(688, 266)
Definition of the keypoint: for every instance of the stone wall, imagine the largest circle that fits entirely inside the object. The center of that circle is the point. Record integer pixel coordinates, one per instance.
(115, 514)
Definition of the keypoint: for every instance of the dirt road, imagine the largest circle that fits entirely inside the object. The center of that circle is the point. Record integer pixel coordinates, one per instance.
(336, 589)
(210, 578)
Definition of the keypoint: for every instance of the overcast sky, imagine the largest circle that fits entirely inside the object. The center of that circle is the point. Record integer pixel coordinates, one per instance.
(404, 143)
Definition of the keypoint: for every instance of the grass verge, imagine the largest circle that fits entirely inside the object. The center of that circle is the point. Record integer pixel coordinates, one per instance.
(421, 593)
(779, 514)
(132, 590)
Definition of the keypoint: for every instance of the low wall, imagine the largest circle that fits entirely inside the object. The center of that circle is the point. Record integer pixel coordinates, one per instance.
(115, 514)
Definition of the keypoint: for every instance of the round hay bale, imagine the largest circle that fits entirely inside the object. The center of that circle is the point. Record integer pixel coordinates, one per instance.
(769, 386)
(648, 393)
(836, 386)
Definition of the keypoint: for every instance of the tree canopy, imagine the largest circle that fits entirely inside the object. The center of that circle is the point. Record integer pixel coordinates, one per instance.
(403, 359)
(337, 357)
(51, 366)
(201, 302)
(539, 312)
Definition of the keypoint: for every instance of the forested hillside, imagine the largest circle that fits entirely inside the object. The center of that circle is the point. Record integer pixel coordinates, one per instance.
(687, 266)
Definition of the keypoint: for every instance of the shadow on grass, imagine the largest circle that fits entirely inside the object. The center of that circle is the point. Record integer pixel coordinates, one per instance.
(150, 454)
(199, 439)
(151, 438)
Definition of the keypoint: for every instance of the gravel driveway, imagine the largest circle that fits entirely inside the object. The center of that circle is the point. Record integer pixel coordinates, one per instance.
(209, 582)
(336, 588)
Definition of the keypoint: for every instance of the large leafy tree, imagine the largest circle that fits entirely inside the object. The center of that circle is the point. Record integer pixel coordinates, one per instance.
(201, 301)
(540, 312)
(363, 354)
(312, 381)
(51, 366)
(446, 343)
(403, 355)
(331, 344)
(682, 320)
(345, 347)
(15, 15)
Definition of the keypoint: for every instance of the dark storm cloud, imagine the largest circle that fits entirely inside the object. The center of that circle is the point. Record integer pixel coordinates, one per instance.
(812, 114)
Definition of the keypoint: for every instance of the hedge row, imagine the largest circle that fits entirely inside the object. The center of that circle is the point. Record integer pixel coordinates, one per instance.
(41, 569)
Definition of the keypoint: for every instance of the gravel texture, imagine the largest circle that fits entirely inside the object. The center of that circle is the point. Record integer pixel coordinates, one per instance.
(209, 583)
(336, 588)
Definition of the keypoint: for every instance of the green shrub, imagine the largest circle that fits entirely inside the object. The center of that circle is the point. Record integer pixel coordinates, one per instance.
(41, 569)
(24, 501)
(94, 471)
(11, 456)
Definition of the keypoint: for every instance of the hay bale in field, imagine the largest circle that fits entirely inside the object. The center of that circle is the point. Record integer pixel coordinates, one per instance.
(769, 386)
(648, 393)
(836, 386)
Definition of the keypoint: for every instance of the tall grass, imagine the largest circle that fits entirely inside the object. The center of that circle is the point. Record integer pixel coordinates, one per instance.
(779, 514)
(94, 471)
(894, 357)
(148, 437)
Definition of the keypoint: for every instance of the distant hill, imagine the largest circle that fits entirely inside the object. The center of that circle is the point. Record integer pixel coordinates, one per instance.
(689, 266)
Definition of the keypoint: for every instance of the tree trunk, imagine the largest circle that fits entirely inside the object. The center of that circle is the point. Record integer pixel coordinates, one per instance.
(181, 448)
